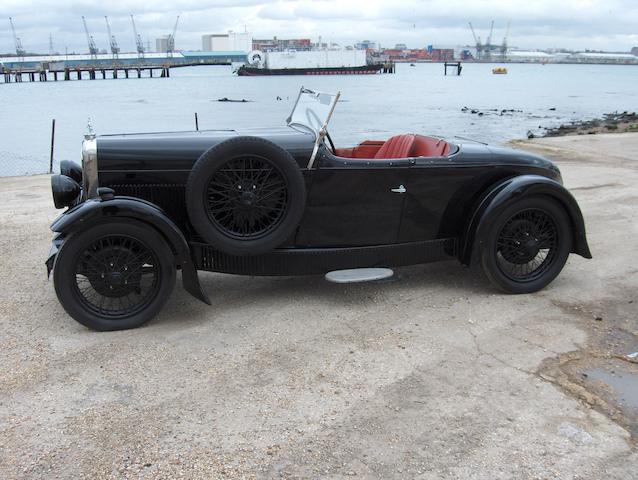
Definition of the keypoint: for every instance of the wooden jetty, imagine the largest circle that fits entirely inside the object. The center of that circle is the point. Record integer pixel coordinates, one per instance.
(92, 72)
(80, 67)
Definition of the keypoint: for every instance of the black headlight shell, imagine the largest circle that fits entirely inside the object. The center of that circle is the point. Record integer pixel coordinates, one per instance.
(65, 190)
(71, 169)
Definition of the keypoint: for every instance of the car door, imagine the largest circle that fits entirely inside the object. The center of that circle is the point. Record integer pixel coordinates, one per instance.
(354, 203)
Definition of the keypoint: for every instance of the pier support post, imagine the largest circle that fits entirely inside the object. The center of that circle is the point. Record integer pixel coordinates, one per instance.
(67, 74)
(115, 73)
(139, 73)
(55, 76)
(151, 70)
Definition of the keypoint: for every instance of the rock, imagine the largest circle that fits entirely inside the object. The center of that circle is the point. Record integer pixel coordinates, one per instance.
(530, 134)
(574, 433)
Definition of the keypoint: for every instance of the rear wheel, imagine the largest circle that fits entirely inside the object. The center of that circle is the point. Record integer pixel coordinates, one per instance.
(527, 246)
(114, 276)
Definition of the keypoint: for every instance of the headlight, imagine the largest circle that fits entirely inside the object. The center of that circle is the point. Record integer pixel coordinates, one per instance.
(71, 169)
(65, 190)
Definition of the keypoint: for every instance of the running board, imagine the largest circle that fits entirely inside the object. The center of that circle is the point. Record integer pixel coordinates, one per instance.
(355, 275)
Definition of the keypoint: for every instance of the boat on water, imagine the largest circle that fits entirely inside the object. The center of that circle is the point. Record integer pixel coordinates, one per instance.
(248, 71)
(499, 71)
(313, 62)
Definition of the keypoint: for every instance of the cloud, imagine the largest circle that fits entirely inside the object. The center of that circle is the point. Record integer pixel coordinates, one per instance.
(577, 24)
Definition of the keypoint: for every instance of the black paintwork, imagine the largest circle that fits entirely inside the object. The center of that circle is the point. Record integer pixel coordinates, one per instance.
(96, 211)
(352, 218)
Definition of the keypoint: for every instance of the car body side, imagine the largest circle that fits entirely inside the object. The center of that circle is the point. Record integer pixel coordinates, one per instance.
(353, 218)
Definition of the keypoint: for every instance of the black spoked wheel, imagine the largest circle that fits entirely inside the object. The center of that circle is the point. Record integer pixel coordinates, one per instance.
(528, 245)
(114, 276)
(245, 196)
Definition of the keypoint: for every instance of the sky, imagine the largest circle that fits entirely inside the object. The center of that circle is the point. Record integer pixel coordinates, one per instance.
(610, 25)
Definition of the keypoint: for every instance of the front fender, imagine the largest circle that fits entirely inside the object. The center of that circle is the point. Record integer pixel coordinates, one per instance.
(496, 199)
(99, 210)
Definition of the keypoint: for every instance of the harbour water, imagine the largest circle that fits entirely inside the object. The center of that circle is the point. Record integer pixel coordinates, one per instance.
(416, 99)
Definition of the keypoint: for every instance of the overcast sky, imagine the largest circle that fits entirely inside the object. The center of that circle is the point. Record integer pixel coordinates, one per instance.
(575, 24)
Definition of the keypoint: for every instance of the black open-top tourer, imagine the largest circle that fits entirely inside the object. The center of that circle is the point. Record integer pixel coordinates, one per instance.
(285, 201)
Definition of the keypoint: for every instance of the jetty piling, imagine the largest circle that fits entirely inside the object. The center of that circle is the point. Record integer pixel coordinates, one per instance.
(453, 65)
(44, 71)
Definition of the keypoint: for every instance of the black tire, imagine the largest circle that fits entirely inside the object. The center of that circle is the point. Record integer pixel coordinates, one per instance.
(527, 246)
(114, 276)
(245, 196)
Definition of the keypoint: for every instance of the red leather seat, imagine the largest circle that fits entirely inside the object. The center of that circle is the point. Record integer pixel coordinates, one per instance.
(430, 147)
(399, 146)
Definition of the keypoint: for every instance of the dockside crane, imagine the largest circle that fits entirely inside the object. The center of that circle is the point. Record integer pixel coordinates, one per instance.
(20, 51)
(93, 51)
(477, 41)
(170, 42)
(488, 44)
(504, 45)
(138, 40)
(115, 49)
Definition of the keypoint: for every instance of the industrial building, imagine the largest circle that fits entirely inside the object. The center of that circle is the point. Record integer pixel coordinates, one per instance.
(227, 42)
(161, 44)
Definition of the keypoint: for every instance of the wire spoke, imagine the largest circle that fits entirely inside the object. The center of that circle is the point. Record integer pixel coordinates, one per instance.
(247, 197)
(526, 245)
(116, 276)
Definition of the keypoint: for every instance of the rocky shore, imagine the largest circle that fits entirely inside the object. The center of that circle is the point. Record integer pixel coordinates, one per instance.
(609, 123)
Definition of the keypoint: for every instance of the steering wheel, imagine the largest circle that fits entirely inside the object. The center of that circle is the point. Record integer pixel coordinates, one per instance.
(332, 145)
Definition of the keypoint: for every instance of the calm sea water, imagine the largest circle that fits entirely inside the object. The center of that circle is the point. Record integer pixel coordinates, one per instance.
(416, 99)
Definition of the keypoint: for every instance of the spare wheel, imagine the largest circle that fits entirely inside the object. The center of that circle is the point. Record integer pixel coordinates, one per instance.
(245, 196)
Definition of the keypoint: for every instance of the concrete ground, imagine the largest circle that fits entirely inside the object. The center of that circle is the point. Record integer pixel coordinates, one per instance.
(431, 375)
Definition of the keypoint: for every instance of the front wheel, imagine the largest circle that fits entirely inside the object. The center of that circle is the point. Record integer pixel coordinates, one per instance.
(527, 246)
(114, 276)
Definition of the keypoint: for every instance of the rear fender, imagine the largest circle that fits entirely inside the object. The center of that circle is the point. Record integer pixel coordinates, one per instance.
(98, 210)
(500, 195)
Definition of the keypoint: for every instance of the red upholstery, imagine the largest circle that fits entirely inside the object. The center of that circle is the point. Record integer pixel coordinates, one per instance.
(430, 147)
(399, 146)
(366, 149)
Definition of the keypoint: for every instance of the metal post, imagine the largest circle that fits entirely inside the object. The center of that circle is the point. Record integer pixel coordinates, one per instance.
(52, 145)
(196, 122)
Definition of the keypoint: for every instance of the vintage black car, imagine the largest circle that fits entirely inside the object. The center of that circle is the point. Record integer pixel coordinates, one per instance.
(285, 201)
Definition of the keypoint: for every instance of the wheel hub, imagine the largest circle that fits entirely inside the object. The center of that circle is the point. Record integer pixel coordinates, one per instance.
(247, 199)
(113, 279)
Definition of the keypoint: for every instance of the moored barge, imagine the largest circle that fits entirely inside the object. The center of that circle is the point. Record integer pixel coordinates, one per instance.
(249, 71)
